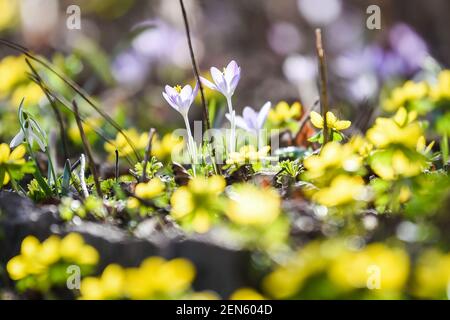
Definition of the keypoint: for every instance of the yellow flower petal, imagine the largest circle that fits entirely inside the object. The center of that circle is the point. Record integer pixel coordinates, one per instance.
(316, 119)
(4, 152)
(342, 125)
(331, 119)
(18, 153)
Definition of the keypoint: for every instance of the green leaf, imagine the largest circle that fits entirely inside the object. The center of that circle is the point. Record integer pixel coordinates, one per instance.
(444, 149)
(318, 137)
(66, 178)
(2, 176)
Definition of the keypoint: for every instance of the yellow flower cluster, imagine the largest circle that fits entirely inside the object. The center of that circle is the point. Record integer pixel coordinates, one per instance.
(401, 129)
(199, 203)
(248, 154)
(333, 157)
(252, 206)
(9, 159)
(432, 275)
(335, 172)
(37, 258)
(9, 12)
(397, 140)
(122, 145)
(441, 91)
(282, 114)
(409, 92)
(360, 269)
(15, 83)
(342, 190)
(163, 148)
(89, 126)
(412, 92)
(155, 278)
(343, 269)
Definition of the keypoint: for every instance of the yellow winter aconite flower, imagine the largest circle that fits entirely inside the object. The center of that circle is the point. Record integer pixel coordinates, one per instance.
(401, 96)
(361, 145)
(332, 157)
(376, 267)
(198, 204)
(32, 93)
(283, 113)
(151, 189)
(246, 294)
(250, 205)
(9, 11)
(288, 279)
(147, 191)
(398, 140)
(401, 129)
(248, 154)
(123, 146)
(422, 145)
(89, 125)
(393, 164)
(10, 158)
(380, 270)
(441, 91)
(13, 71)
(36, 258)
(155, 278)
(332, 121)
(163, 149)
(342, 190)
(432, 275)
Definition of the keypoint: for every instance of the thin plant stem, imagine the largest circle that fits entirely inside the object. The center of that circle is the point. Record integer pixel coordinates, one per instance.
(191, 144)
(233, 125)
(323, 84)
(207, 124)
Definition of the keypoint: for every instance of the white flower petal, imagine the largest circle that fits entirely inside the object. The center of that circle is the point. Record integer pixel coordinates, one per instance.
(186, 93)
(17, 140)
(263, 113)
(170, 102)
(208, 83)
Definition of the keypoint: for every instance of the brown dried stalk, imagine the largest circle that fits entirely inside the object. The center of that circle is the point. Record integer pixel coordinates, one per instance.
(87, 149)
(195, 68)
(323, 84)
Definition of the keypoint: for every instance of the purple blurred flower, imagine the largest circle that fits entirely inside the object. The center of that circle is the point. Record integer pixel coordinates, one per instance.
(408, 45)
(225, 82)
(130, 69)
(251, 120)
(180, 98)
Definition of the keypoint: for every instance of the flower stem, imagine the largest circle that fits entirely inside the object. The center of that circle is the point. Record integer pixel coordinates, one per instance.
(191, 143)
(233, 125)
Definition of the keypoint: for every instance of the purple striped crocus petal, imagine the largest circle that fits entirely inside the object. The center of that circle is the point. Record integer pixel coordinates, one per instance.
(170, 101)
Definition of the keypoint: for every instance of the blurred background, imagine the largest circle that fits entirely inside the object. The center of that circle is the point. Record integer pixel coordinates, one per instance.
(127, 50)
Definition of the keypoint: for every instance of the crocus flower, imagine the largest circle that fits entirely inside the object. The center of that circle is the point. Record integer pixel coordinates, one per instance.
(252, 120)
(31, 132)
(225, 82)
(181, 100)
